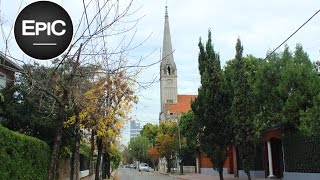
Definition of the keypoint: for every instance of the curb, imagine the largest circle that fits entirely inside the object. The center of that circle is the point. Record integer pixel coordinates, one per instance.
(179, 177)
(171, 175)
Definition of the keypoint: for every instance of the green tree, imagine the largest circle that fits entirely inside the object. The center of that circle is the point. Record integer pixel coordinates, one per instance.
(242, 111)
(212, 107)
(189, 130)
(126, 156)
(150, 131)
(138, 148)
(286, 89)
(115, 157)
(310, 119)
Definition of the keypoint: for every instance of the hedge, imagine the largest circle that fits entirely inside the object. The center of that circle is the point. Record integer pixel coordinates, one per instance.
(22, 157)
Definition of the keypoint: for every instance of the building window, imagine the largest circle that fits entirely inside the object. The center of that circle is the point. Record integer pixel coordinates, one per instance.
(169, 101)
(2, 81)
(168, 70)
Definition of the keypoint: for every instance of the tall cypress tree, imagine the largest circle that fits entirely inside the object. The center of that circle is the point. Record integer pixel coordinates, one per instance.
(212, 107)
(242, 108)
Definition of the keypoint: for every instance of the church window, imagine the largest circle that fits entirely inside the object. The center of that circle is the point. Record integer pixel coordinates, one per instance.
(168, 70)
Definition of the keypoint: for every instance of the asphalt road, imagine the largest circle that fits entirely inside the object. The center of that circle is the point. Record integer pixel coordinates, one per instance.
(134, 174)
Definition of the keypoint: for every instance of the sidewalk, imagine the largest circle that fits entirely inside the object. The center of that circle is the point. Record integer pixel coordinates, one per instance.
(194, 176)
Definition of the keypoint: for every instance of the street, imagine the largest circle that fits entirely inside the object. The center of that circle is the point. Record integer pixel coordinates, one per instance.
(134, 174)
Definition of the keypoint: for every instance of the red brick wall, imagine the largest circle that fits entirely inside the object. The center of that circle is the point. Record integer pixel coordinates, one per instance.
(205, 162)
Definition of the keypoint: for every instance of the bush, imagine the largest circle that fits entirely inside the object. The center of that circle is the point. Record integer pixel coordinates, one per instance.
(22, 157)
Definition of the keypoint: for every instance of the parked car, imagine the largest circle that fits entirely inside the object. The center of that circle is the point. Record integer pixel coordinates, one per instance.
(133, 166)
(144, 167)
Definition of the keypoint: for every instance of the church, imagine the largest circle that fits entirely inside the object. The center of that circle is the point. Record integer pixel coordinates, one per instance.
(269, 161)
(172, 104)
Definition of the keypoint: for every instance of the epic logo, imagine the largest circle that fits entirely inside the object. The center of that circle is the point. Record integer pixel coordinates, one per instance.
(43, 30)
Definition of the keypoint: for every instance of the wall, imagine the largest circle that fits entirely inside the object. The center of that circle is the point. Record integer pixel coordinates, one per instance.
(254, 174)
(189, 169)
(212, 171)
(300, 176)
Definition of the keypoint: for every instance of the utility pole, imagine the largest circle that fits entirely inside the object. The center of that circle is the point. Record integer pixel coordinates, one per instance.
(180, 149)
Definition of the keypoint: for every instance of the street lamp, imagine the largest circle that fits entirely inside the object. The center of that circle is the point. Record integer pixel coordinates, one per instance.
(180, 149)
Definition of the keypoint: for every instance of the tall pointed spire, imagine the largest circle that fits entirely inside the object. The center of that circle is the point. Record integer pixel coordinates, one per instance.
(168, 71)
(167, 52)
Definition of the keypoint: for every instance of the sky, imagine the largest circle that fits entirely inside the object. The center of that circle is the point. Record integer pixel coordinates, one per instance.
(261, 25)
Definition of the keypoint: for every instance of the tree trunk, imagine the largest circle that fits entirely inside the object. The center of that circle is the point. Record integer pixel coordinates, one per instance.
(168, 165)
(249, 176)
(91, 153)
(76, 160)
(221, 174)
(106, 166)
(71, 165)
(99, 144)
(56, 145)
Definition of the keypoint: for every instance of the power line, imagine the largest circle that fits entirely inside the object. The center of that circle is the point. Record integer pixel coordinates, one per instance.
(292, 34)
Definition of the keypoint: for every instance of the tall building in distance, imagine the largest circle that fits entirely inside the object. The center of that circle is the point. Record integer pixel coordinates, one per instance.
(134, 129)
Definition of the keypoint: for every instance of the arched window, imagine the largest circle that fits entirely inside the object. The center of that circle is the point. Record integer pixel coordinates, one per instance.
(168, 70)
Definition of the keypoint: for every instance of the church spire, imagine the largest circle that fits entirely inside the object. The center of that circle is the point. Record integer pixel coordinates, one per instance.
(167, 52)
(168, 70)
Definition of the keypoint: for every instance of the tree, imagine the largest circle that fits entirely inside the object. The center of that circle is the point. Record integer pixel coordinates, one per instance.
(110, 99)
(138, 147)
(189, 129)
(150, 131)
(242, 108)
(167, 141)
(286, 88)
(115, 157)
(168, 147)
(310, 119)
(154, 155)
(57, 86)
(126, 156)
(212, 107)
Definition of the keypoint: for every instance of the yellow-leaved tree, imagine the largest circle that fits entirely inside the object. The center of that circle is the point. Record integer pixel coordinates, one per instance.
(104, 108)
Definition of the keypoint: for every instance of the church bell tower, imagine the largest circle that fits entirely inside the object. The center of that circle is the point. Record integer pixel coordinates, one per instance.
(168, 71)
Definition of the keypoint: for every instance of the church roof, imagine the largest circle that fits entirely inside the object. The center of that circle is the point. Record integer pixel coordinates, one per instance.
(183, 105)
(167, 52)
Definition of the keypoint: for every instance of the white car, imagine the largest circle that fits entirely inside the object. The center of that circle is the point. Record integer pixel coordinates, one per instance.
(144, 167)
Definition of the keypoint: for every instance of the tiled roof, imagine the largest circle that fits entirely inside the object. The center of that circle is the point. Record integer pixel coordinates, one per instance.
(183, 105)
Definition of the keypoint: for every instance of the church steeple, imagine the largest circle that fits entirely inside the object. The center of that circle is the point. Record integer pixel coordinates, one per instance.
(168, 70)
(167, 52)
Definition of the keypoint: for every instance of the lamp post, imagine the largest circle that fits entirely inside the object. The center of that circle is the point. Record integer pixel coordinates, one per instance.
(180, 149)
